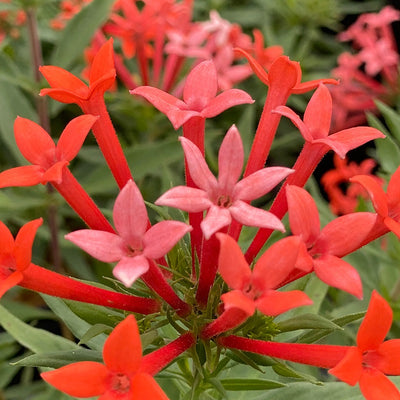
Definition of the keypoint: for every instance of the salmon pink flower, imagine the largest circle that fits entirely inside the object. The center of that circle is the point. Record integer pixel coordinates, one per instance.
(134, 245)
(373, 358)
(225, 198)
(119, 378)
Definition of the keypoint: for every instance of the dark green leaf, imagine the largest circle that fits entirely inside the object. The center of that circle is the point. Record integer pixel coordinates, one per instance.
(307, 321)
(250, 384)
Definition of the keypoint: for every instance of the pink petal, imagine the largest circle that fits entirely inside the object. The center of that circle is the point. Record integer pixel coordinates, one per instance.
(162, 237)
(198, 167)
(104, 246)
(235, 299)
(338, 273)
(300, 125)
(73, 136)
(349, 369)
(122, 350)
(232, 265)
(227, 99)
(318, 114)
(176, 110)
(274, 303)
(259, 183)
(253, 216)
(230, 160)
(376, 386)
(303, 214)
(215, 219)
(33, 141)
(276, 263)
(349, 139)
(129, 269)
(201, 86)
(23, 243)
(81, 379)
(185, 198)
(28, 175)
(376, 323)
(130, 215)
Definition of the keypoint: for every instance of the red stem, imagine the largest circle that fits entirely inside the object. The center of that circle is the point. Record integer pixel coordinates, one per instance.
(319, 355)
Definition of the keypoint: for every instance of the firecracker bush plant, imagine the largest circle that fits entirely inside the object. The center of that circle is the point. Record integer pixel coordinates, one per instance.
(208, 289)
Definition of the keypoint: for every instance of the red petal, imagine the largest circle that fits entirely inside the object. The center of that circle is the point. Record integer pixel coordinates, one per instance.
(310, 85)
(28, 175)
(144, 386)
(393, 225)
(284, 74)
(276, 263)
(318, 113)
(338, 273)
(103, 62)
(81, 379)
(274, 303)
(6, 239)
(231, 263)
(393, 189)
(303, 214)
(389, 357)
(230, 160)
(12, 280)
(255, 66)
(235, 299)
(24, 242)
(349, 369)
(376, 386)
(122, 350)
(73, 136)
(55, 172)
(376, 323)
(33, 141)
(201, 86)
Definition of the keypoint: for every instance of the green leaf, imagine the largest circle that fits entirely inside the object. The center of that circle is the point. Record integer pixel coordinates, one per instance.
(79, 31)
(307, 321)
(250, 384)
(37, 340)
(286, 371)
(392, 119)
(59, 358)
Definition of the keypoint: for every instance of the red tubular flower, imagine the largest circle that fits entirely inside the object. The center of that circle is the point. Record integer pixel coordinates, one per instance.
(50, 163)
(255, 289)
(67, 88)
(372, 359)
(119, 378)
(323, 249)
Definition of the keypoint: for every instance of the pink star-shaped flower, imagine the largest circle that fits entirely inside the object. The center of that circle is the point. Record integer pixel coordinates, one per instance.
(133, 245)
(225, 198)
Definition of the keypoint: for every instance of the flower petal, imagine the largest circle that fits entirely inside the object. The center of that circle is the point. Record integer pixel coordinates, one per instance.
(230, 160)
(185, 198)
(130, 215)
(55, 173)
(33, 141)
(12, 280)
(215, 219)
(338, 273)
(349, 369)
(393, 189)
(129, 269)
(73, 136)
(201, 86)
(376, 386)
(255, 66)
(389, 357)
(6, 239)
(81, 379)
(392, 225)
(103, 62)
(236, 299)
(104, 246)
(122, 350)
(28, 175)
(259, 183)
(162, 237)
(144, 386)
(232, 265)
(253, 216)
(376, 323)
(274, 303)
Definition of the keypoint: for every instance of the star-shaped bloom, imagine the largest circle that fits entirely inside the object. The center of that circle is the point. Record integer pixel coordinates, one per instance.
(387, 205)
(119, 378)
(48, 159)
(225, 198)
(15, 255)
(134, 244)
(67, 88)
(316, 124)
(200, 97)
(254, 289)
(373, 358)
(324, 248)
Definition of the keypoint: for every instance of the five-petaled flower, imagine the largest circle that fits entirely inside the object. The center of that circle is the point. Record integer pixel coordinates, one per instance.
(225, 198)
(119, 378)
(373, 358)
(134, 244)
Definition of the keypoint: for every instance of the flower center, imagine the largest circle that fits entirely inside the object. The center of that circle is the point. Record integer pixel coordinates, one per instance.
(121, 383)
(224, 201)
